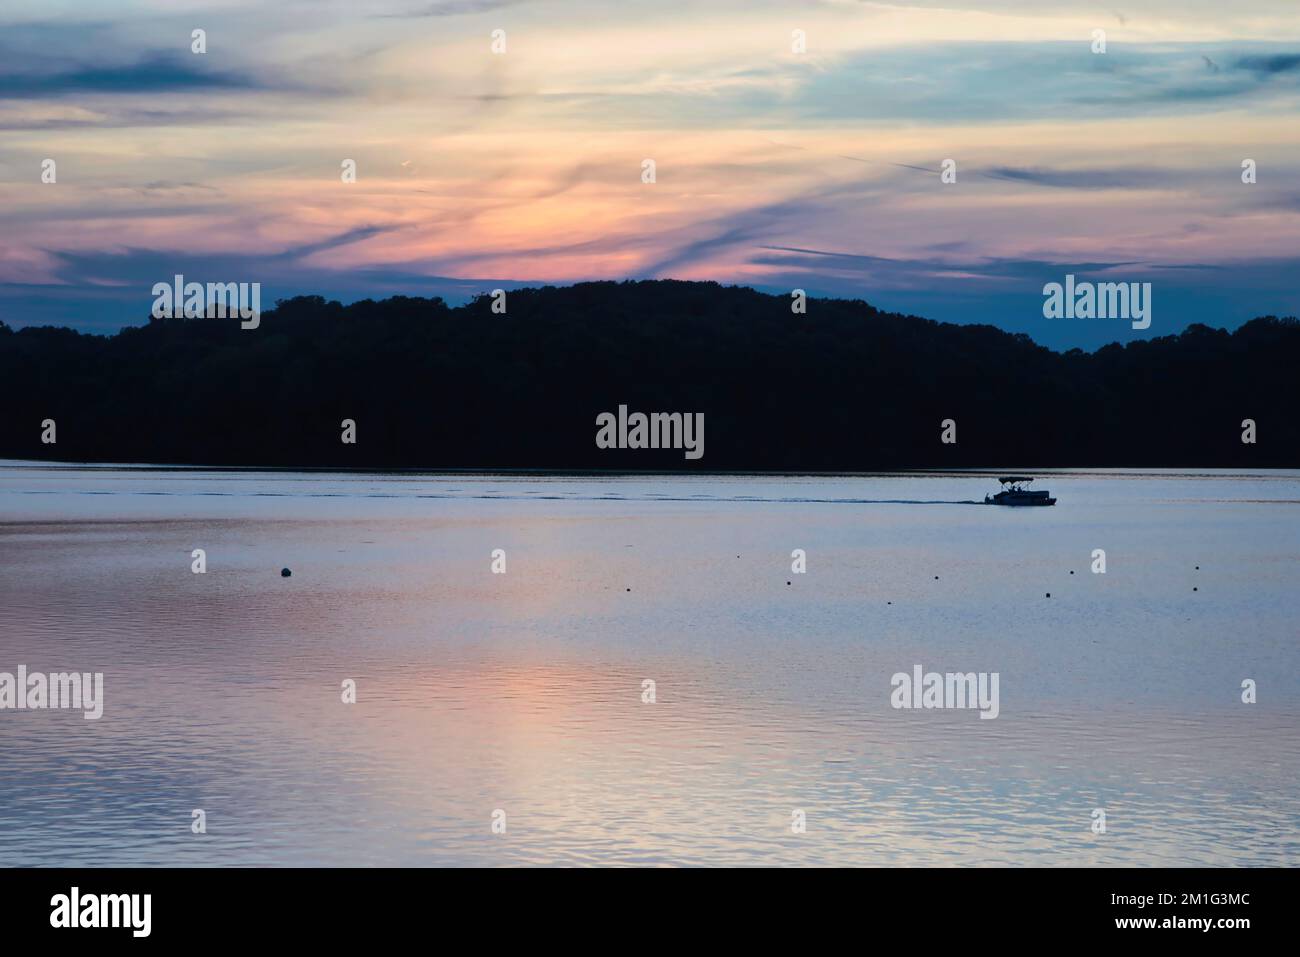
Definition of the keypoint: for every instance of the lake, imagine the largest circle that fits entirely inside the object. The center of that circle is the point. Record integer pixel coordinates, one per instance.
(520, 698)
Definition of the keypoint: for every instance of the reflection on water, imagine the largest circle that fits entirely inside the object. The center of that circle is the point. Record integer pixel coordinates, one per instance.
(523, 691)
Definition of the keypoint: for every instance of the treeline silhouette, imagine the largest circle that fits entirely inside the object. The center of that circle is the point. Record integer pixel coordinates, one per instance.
(844, 387)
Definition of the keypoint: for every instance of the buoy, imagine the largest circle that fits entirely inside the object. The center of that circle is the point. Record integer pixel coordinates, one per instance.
(285, 573)
(1049, 594)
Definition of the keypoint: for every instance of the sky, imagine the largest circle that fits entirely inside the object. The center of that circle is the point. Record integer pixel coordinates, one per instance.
(774, 167)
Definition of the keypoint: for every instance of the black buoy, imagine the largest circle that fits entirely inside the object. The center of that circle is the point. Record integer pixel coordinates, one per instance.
(1193, 588)
(1049, 594)
(1072, 571)
(787, 583)
(285, 573)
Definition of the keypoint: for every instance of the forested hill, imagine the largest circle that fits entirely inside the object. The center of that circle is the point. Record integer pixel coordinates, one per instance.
(844, 387)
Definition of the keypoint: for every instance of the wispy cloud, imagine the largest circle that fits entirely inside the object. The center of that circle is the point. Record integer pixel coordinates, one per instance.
(1116, 177)
(773, 166)
(155, 74)
(1272, 64)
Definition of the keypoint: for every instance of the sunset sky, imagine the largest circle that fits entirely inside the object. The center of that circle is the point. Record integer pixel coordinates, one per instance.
(774, 168)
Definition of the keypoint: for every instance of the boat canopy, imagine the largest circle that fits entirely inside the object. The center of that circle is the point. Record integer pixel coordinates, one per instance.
(1015, 478)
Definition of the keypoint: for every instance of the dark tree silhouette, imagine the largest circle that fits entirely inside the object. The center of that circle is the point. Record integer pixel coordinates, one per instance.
(845, 387)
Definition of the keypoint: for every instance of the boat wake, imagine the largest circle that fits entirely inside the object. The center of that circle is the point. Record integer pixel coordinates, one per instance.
(456, 495)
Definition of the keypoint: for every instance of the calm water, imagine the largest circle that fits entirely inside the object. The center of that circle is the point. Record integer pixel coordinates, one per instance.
(523, 691)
